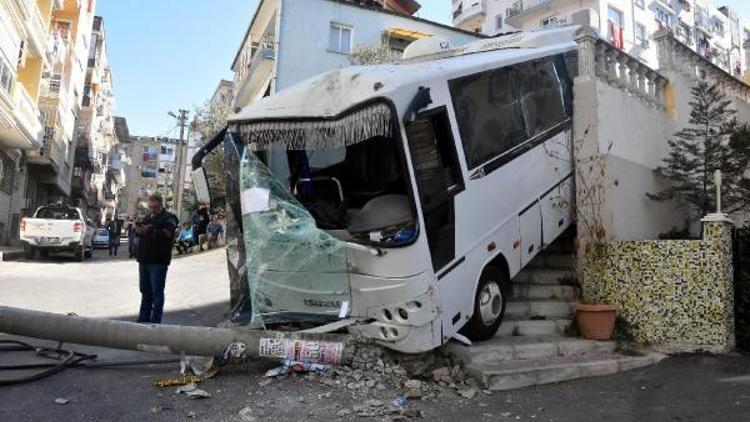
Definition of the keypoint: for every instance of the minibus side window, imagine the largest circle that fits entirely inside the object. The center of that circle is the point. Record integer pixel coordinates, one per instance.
(542, 97)
(438, 178)
(433, 154)
(489, 113)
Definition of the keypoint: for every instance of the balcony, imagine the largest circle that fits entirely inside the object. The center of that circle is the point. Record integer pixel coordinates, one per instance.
(260, 68)
(57, 48)
(27, 115)
(35, 26)
(20, 125)
(515, 15)
(470, 14)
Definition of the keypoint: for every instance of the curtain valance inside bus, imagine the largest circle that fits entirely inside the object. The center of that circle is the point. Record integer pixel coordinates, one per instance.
(348, 129)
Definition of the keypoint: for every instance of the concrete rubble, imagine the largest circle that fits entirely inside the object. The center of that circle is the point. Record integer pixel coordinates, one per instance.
(376, 372)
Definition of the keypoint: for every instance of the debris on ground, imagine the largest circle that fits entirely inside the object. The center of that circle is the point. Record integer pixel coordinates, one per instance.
(61, 401)
(290, 366)
(161, 408)
(246, 414)
(192, 391)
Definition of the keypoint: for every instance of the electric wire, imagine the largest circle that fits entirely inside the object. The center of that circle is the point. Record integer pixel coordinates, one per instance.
(64, 359)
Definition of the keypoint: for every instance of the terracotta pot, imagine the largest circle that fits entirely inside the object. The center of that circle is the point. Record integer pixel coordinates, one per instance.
(596, 322)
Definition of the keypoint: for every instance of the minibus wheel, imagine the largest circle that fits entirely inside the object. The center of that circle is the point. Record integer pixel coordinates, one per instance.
(489, 305)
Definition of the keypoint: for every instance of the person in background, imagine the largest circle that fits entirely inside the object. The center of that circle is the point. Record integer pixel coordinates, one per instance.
(185, 239)
(132, 239)
(156, 233)
(200, 224)
(215, 232)
(114, 236)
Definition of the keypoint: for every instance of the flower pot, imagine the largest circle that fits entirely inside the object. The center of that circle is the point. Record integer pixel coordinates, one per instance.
(595, 322)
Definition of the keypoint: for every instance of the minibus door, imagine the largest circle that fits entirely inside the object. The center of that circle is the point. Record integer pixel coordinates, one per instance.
(438, 177)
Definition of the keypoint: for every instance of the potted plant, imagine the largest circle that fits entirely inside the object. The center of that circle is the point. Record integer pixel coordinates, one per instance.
(596, 321)
(595, 318)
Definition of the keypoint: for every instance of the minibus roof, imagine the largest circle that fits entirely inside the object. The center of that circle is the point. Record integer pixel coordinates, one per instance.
(333, 93)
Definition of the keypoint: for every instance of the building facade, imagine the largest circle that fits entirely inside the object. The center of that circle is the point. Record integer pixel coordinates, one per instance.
(44, 46)
(717, 33)
(98, 170)
(149, 168)
(288, 41)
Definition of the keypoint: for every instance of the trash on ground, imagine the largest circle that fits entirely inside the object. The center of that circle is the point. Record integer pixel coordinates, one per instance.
(246, 414)
(61, 401)
(290, 366)
(191, 390)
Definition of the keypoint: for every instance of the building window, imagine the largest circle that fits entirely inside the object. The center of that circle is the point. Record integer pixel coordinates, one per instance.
(641, 37)
(499, 22)
(640, 3)
(340, 39)
(550, 22)
(616, 27)
(663, 16)
(615, 16)
(6, 77)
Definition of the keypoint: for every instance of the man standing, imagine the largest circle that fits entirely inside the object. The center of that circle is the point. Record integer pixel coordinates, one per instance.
(132, 240)
(114, 236)
(200, 224)
(155, 240)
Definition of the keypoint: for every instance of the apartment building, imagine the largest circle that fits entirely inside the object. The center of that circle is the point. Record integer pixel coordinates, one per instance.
(288, 40)
(98, 173)
(150, 168)
(43, 49)
(716, 32)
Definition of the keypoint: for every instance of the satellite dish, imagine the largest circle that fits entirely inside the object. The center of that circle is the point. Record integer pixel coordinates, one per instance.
(427, 46)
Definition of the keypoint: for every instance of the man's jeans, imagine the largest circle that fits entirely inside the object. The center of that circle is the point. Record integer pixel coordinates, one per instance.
(152, 280)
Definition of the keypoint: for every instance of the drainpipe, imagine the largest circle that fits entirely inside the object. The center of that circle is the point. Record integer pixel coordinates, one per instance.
(225, 343)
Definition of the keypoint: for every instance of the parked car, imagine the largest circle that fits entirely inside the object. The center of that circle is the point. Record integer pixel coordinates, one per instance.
(57, 228)
(101, 238)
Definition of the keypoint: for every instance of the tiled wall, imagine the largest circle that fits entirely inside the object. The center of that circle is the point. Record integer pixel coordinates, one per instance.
(672, 292)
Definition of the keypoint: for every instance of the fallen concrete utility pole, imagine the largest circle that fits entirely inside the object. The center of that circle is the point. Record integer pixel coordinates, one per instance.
(227, 345)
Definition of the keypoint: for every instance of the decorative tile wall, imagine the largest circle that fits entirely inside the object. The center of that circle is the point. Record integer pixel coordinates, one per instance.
(672, 292)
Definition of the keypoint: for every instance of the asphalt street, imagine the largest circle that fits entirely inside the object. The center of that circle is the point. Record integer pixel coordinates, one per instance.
(681, 388)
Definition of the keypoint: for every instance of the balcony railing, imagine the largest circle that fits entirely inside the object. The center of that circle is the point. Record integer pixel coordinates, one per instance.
(37, 27)
(521, 7)
(28, 112)
(477, 8)
(57, 49)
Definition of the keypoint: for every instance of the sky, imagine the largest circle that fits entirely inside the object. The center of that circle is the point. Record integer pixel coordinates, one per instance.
(170, 54)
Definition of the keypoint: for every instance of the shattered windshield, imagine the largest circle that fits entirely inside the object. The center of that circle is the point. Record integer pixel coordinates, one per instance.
(295, 270)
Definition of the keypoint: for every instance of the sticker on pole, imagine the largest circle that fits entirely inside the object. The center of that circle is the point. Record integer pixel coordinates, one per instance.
(324, 352)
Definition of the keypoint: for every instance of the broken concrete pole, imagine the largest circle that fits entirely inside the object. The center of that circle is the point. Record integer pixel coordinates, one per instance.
(227, 345)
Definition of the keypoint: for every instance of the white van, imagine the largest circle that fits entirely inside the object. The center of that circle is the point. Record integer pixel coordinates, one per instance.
(405, 197)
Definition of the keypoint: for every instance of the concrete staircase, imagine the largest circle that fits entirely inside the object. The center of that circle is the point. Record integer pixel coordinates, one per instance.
(530, 347)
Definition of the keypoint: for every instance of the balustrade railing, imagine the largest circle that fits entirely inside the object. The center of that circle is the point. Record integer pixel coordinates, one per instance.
(598, 58)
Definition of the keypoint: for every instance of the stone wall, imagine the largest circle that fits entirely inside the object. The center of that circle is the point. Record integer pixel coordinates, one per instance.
(671, 292)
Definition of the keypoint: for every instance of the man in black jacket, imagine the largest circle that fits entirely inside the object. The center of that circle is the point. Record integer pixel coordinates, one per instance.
(155, 240)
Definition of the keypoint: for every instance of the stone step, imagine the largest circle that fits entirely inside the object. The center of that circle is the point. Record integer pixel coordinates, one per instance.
(551, 259)
(514, 374)
(544, 291)
(558, 276)
(541, 327)
(537, 309)
(500, 349)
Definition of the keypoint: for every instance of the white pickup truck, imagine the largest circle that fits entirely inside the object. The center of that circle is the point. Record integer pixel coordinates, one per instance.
(57, 228)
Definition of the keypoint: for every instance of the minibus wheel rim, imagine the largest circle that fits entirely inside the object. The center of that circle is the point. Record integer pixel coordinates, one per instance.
(490, 303)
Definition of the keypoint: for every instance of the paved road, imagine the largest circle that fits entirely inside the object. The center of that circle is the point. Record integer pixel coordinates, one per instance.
(684, 388)
(108, 286)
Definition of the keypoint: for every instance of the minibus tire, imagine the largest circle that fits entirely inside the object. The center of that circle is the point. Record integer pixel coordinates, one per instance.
(477, 329)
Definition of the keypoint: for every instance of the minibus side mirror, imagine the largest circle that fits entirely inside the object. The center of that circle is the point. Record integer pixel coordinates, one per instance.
(200, 184)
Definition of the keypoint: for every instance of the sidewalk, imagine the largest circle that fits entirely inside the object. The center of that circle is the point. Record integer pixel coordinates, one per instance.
(10, 253)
